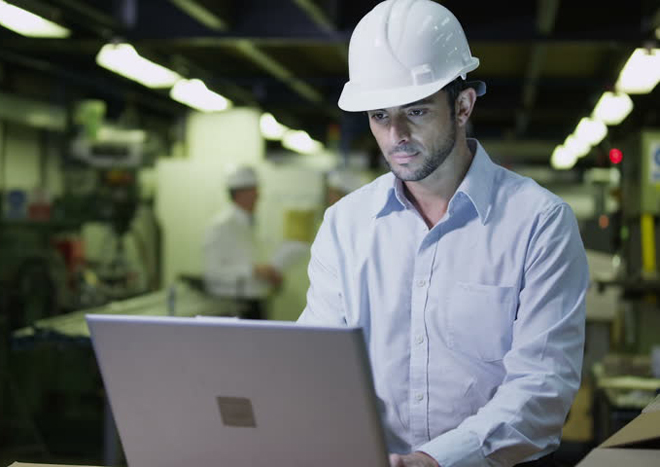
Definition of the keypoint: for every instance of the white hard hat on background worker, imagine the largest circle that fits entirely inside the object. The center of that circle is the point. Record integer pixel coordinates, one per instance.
(241, 177)
(390, 67)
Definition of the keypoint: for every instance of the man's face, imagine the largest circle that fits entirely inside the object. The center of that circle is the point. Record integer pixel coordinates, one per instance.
(416, 138)
(247, 198)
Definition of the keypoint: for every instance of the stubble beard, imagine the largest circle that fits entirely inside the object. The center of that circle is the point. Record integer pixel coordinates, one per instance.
(429, 164)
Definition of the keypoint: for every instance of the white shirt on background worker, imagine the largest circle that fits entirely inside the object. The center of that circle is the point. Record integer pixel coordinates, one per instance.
(230, 253)
(475, 327)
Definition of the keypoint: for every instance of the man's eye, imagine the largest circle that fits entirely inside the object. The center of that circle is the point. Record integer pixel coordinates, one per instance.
(416, 112)
(378, 116)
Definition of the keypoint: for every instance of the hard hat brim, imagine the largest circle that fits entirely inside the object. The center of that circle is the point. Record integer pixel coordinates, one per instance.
(353, 99)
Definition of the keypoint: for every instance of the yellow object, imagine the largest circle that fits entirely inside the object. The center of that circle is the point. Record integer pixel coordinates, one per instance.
(648, 245)
(299, 225)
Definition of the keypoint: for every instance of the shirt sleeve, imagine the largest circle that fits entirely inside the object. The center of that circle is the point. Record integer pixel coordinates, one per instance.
(543, 367)
(324, 296)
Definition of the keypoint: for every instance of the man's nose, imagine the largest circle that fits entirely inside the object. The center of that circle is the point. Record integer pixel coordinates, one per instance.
(399, 130)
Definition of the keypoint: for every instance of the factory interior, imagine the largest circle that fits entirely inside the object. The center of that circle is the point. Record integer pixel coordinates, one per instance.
(109, 178)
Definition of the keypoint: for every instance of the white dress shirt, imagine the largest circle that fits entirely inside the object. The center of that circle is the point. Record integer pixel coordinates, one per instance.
(230, 253)
(475, 328)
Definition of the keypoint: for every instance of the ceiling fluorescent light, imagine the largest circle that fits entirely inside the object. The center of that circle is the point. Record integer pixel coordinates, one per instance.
(576, 146)
(612, 108)
(124, 60)
(300, 141)
(641, 72)
(562, 158)
(271, 128)
(590, 131)
(195, 94)
(28, 24)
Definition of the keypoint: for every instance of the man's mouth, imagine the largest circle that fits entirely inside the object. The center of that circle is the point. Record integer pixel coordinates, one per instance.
(403, 157)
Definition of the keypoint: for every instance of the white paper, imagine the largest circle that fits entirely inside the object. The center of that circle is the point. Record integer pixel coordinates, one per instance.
(288, 254)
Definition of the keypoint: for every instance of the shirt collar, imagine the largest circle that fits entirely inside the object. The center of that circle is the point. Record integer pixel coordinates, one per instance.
(477, 186)
(478, 182)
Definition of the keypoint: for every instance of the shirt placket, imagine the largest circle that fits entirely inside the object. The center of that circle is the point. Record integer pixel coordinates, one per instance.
(419, 394)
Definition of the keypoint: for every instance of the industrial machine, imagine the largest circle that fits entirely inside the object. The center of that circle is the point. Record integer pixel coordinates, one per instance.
(81, 249)
(624, 381)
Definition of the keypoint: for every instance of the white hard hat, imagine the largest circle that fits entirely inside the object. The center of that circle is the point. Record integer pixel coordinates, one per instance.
(241, 177)
(403, 51)
(345, 180)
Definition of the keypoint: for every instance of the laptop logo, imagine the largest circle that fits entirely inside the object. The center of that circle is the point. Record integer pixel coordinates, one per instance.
(236, 411)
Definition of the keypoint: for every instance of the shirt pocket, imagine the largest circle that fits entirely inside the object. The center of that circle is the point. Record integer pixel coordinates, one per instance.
(480, 320)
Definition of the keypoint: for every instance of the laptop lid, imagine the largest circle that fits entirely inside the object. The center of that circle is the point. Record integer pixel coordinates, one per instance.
(217, 391)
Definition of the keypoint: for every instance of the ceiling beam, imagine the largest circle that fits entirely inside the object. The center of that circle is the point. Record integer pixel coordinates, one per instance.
(202, 14)
(99, 82)
(253, 52)
(622, 36)
(546, 18)
(92, 13)
(319, 16)
(279, 71)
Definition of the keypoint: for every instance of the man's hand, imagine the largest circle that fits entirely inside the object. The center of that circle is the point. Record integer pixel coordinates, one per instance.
(269, 274)
(415, 459)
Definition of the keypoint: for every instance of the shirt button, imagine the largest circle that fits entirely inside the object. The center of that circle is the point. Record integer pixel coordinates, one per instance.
(421, 283)
(419, 339)
(419, 397)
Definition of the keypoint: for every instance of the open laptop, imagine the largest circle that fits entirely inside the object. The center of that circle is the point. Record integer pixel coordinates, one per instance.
(202, 392)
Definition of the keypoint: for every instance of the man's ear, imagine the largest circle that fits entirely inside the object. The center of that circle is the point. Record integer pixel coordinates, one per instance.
(464, 105)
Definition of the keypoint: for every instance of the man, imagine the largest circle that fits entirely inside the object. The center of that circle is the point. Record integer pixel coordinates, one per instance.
(468, 280)
(230, 252)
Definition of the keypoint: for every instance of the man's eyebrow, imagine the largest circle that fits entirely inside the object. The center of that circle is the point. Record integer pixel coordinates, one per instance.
(417, 103)
(425, 101)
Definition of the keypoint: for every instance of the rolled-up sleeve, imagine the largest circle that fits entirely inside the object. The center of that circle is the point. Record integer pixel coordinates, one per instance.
(524, 418)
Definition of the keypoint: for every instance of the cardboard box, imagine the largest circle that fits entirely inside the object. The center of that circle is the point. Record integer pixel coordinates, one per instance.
(636, 444)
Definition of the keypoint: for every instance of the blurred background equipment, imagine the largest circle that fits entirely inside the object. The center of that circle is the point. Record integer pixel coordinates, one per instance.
(342, 181)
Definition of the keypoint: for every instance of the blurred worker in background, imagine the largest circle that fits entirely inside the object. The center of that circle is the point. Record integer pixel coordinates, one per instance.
(467, 279)
(230, 251)
(342, 181)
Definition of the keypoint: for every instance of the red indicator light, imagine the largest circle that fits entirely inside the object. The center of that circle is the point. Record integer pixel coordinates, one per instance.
(616, 156)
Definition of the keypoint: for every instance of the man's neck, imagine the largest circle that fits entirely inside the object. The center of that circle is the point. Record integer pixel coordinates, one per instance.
(431, 196)
(243, 208)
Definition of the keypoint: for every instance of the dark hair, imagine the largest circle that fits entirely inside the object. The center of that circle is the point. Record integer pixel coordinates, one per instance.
(453, 89)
